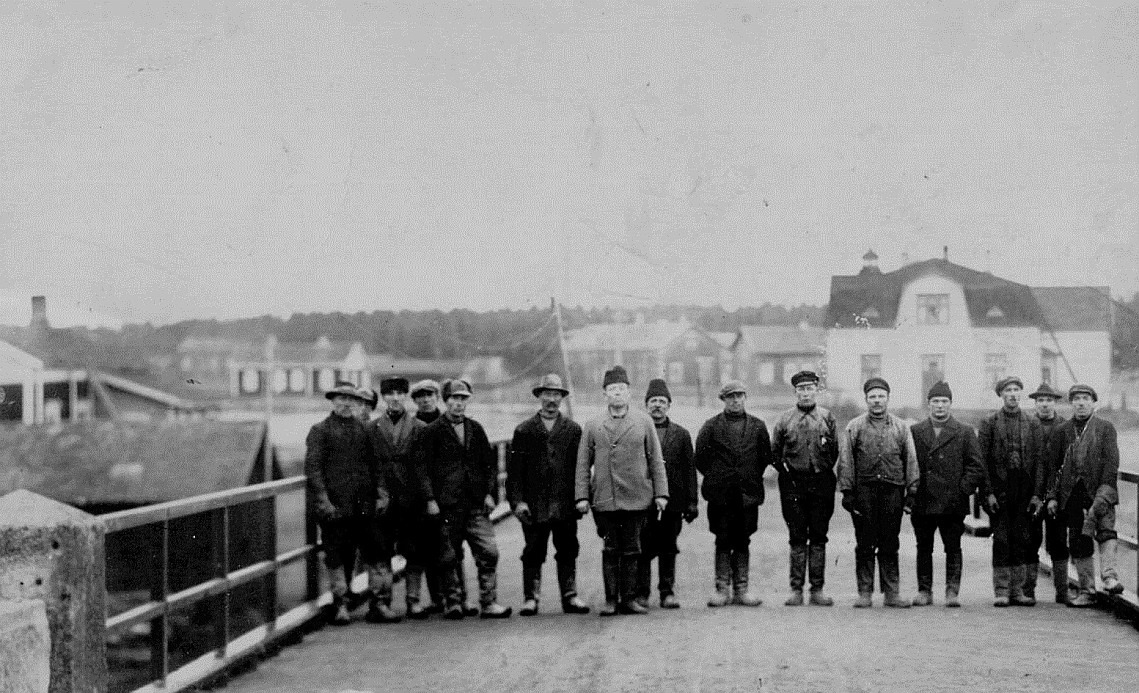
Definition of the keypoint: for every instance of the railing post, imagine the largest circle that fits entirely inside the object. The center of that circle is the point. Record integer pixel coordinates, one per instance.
(159, 588)
(312, 562)
(270, 504)
(54, 552)
(217, 542)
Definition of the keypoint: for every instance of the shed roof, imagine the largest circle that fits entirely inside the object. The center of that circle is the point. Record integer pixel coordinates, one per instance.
(1075, 308)
(780, 339)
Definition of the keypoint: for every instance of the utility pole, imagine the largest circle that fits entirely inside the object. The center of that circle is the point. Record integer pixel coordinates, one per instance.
(565, 358)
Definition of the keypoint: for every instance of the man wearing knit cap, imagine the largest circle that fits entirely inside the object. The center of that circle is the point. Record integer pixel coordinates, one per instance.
(1012, 446)
(1054, 534)
(804, 448)
(540, 477)
(658, 540)
(949, 461)
(620, 474)
(878, 476)
(1084, 492)
(733, 450)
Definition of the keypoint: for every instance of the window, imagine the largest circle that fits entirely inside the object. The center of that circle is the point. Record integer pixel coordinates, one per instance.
(1048, 368)
(766, 372)
(676, 372)
(250, 380)
(871, 366)
(933, 309)
(996, 367)
(932, 371)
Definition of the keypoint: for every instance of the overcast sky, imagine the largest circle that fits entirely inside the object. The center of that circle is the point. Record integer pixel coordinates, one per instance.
(161, 161)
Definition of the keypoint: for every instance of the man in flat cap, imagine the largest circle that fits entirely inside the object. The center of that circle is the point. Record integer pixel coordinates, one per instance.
(347, 486)
(949, 462)
(804, 449)
(733, 449)
(878, 476)
(1012, 446)
(1054, 534)
(540, 477)
(1084, 492)
(658, 540)
(620, 474)
(458, 472)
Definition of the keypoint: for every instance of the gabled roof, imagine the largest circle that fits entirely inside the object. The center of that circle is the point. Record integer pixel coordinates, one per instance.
(780, 339)
(638, 336)
(1075, 308)
(853, 296)
(308, 352)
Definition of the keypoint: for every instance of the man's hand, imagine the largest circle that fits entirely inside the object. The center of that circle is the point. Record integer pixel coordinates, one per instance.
(908, 503)
(325, 510)
(522, 512)
(432, 508)
(582, 507)
(661, 503)
(1035, 506)
(993, 505)
(1053, 508)
(691, 514)
(848, 504)
(489, 502)
(382, 505)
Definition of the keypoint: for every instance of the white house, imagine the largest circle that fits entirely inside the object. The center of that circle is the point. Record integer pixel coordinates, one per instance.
(936, 320)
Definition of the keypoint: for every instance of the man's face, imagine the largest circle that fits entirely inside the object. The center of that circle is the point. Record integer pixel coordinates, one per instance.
(426, 402)
(735, 402)
(1045, 406)
(617, 394)
(1082, 405)
(457, 405)
(550, 401)
(1010, 396)
(806, 393)
(877, 400)
(658, 408)
(939, 408)
(348, 407)
(394, 402)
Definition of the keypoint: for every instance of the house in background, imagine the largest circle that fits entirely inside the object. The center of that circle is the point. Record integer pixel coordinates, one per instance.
(766, 356)
(301, 369)
(935, 320)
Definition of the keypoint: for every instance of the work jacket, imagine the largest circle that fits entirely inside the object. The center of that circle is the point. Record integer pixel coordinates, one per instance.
(458, 475)
(805, 442)
(344, 465)
(1092, 456)
(733, 469)
(399, 438)
(542, 467)
(877, 451)
(995, 436)
(950, 467)
(619, 463)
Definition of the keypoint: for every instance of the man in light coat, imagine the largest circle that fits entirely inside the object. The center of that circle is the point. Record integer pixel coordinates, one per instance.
(621, 475)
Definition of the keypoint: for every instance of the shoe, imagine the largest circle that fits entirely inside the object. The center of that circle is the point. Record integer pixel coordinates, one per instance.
(574, 605)
(433, 609)
(495, 611)
(529, 608)
(895, 602)
(416, 612)
(1112, 586)
(632, 607)
(817, 598)
(1001, 602)
(454, 613)
(643, 601)
(669, 601)
(951, 600)
(1083, 600)
(863, 602)
(744, 598)
(796, 598)
(381, 613)
(341, 617)
(718, 598)
(470, 610)
(1022, 600)
(923, 599)
(610, 609)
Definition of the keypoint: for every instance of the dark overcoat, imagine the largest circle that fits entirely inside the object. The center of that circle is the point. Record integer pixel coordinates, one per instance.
(994, 437)
(541, 468)
(679, 466)
(1101, 461)
(456, 474)
(950, 467)
(344, 464)
(398, 439)
(733, 473)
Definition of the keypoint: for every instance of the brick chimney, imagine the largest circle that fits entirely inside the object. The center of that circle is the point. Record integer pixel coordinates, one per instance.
(39, 312)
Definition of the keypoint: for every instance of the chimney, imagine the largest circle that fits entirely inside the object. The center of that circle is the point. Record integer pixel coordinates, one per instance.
(39, 312)
(945, 253)
(870, 262)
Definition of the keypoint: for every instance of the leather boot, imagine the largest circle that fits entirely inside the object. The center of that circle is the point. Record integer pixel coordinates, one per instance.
(890, 577)
(610, 565)
(413, 585)
(567, 584)
(1108, 573)
(1001, 576)
(1031, 573)
(1085, 569)
(1060, 580)
(644, 586)
(531, 589)
(630, 568)
(797, 562)
(817, 565)
(953, 565)
(339, 587)
(864, 576)
(666, 568)
(380, 584)
(925, 578)
(723, 567)
(1016, 595)
(741, 570)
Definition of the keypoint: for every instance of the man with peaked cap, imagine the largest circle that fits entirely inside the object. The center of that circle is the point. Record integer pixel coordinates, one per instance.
(1012, 447)
(1084, 491)
(878, 477)
(658, 539)
(1054, 534)
(425, 394)
(620, 474)
(458, 473)
(804, 449)
(949, 462)
(733, 449)
(540, 488)
(347, 486)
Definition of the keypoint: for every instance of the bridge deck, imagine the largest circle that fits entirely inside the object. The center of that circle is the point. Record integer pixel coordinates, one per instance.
(770, 648)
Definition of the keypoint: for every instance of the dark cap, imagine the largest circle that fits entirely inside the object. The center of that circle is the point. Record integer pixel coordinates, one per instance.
(393, 383)
(875, 383)
(616, 374)
(456, 387)
(1080, 389)
(939, 389)
(1045, 390)
(1005, 382)
(804, 377)
(658, 388)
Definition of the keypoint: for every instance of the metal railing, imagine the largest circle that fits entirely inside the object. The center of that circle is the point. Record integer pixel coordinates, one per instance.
(1131, 596)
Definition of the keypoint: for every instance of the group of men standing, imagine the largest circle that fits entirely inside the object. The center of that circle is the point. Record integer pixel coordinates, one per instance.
(424, 484)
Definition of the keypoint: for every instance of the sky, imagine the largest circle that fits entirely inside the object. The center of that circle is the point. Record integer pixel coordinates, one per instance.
(195, 159)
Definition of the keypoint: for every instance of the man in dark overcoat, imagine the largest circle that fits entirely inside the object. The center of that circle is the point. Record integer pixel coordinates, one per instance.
(458, 472)
(1054, 535)
(540, 488)
(733, 449)
(347, 487)
(658, 540)
(1086, 454)
(1012, 447)
(804, 449)
(949, 460)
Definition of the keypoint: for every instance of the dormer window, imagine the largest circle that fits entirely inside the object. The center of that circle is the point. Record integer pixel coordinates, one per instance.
(995, 313)
(933, 309)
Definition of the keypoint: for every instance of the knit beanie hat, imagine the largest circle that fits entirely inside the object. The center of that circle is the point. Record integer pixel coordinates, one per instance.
(658, 388)
(616, 374)
(939, 389)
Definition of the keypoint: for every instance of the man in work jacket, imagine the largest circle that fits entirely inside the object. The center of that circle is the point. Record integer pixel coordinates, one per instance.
(804, 448)
(620, 474)
(733, 450)
(1086, 454)
(659, 537)
(540, 476)
(878, 476)
(1054, 534)
(1012, 447)
(949, 460)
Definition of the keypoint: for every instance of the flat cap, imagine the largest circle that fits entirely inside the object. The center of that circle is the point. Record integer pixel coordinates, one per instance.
(1080, 389)
(456, 387)
(1005, 382)
(732, 387)
(425, 387)
(875, 383)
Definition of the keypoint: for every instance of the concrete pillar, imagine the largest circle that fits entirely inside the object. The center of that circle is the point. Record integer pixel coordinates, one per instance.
(25, 647)
(54, 552)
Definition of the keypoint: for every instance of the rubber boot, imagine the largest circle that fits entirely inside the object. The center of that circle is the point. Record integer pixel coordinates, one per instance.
(1016, 595)
(723, 567)
(925, 578)
(630, 602)
(1085, 570)
(339, 588)
(1031, 573)
(380, 584)
(666, 569)
(817, 565)
(1001, 576)
(953, 565)
(531, 589)
(413, 586)
(610, 565)
(888, 573)
(1060, 580)
(1108, 572)
(567, 584)
(797, 562)
(741, 569)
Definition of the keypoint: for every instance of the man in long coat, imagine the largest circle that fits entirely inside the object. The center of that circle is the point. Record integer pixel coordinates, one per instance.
(1012, 447)
(620, 475)
(949, 460)
(1054, 535)
(1087, 453)
(733, 449)
(659, 537)
(347, 486)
